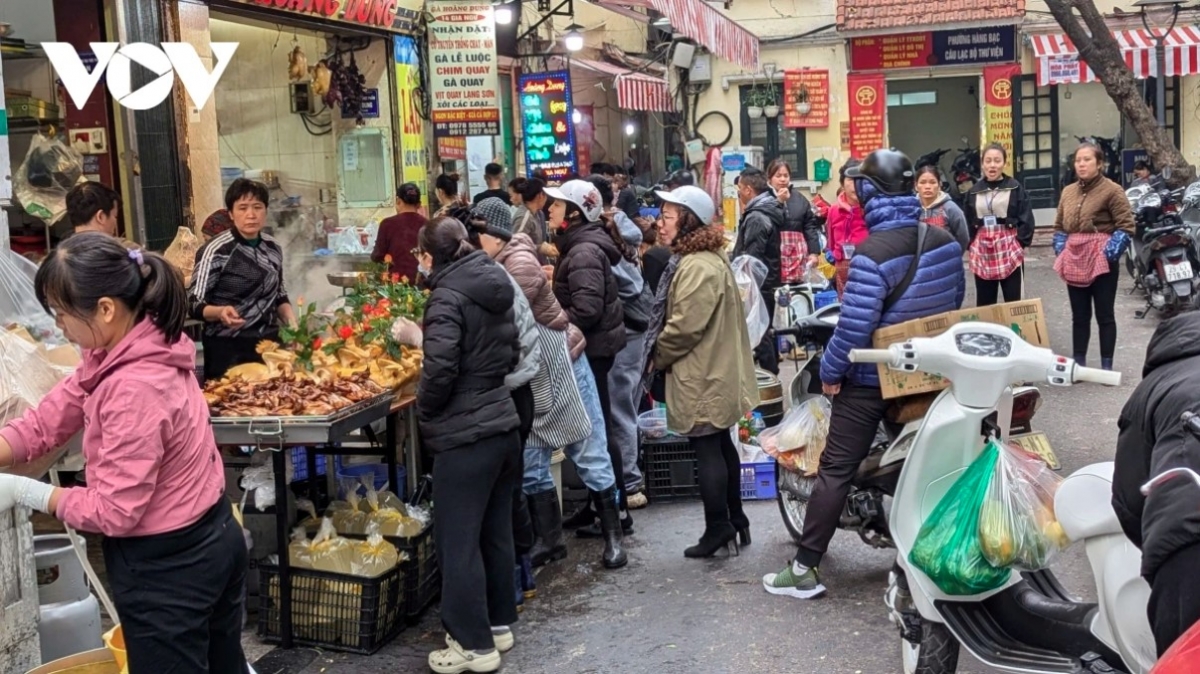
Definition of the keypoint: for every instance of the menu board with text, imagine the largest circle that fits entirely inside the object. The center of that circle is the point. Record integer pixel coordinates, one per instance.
(464, 74)
(548, 130)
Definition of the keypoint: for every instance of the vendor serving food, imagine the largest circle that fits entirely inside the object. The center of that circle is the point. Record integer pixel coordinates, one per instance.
(237, 285)
(175, 556)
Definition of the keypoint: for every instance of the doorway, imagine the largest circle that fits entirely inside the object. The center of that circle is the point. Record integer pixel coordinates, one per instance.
(933, 113)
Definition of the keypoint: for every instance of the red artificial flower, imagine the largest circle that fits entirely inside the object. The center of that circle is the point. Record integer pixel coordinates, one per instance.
(316, 343)
(368, 309)
(384, 304)
(345, 332)
(396, 278)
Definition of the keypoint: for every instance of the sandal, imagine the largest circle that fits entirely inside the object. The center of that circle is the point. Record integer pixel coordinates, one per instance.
(454, 660)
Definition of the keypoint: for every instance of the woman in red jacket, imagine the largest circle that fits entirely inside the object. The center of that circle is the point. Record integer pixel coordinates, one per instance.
(846, 227)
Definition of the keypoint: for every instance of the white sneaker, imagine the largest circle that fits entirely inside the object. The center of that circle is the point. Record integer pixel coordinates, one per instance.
(504, 638)
(454, 660)
(637, 501)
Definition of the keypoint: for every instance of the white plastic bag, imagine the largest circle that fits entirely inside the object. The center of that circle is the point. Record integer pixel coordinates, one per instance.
(51, 168)
(799, 440)
(25, 375)
(750, 274)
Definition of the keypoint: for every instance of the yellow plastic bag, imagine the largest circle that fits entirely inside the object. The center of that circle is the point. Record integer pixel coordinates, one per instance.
(114, 640)
(374, 556)
(350, 519)
(826, 269)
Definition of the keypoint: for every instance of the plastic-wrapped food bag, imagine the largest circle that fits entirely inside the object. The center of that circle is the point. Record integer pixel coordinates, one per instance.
(374, 556)
(948, 547)
(51, 168)
(299, 550)
(182, 253)
(799, 439)
(1017, 525)
(329, 551)
(750, 274)
(350, 519)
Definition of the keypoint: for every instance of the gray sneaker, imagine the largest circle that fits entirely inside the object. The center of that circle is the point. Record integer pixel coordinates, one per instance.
(787, 583)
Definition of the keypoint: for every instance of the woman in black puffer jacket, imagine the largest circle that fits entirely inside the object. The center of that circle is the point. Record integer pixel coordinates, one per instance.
(469, 423)
(586, 288)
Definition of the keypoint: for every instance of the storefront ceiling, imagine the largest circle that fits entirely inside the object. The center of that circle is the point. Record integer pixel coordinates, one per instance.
(906, 15)
(697, 20)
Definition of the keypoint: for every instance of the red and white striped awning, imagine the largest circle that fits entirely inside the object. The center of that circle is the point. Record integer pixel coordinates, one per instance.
(1058, 61)
(635, 91)
(696, 19)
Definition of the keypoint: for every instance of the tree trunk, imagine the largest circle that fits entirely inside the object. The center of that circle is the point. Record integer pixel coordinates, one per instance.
(1100, 50)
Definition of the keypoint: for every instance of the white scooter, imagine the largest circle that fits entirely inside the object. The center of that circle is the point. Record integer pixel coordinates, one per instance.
(1030, 624)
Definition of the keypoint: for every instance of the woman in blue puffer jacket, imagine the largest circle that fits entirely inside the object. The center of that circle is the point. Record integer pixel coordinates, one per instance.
(875, 297)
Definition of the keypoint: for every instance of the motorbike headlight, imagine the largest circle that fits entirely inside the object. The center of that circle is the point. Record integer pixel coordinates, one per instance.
(1191, 195)
(1150, 200)
(1136, 192)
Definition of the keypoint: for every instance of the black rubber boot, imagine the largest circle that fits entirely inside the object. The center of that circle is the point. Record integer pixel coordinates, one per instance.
(548, 545)
(584, 517)
(594, 531)
(610, 524)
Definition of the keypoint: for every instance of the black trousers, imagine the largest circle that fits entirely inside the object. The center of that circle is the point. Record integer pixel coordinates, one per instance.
(720, 478)
(523, 536)
(766, 354)
(987, 292)
(473, 530)
(1175, 597)
(180, 596)
(857, 411)
(1103, 295)
(223, 353)
(600, 368)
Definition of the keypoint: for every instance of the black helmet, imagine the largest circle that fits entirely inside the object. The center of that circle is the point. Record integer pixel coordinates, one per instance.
(679, 179)
(890, 171)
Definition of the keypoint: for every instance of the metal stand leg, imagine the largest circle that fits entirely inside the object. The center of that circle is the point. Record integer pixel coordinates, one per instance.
(412, 454)
(311, 459)
(281, 538)
(389, 455)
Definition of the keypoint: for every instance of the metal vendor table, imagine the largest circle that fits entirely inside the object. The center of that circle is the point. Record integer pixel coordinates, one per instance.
(322, 435)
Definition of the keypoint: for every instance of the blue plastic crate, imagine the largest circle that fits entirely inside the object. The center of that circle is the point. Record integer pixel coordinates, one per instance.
(300, 465)
(824, 298)
(758, 481)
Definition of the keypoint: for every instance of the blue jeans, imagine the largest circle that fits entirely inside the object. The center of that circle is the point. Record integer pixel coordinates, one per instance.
(590, 456)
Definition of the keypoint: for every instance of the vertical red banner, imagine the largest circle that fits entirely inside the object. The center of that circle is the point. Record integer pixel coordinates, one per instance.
(998, 92)
(868, 113)
(585, 135)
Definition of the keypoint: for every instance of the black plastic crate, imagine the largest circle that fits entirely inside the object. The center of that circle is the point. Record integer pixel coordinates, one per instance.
(335, 611)
(422, 574)
(669, 469)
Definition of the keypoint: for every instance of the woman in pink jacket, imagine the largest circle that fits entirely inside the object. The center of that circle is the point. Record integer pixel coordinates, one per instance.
(845, 225)
(175, 557)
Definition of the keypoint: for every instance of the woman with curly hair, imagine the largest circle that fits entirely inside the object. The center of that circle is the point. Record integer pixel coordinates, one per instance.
(698, 336)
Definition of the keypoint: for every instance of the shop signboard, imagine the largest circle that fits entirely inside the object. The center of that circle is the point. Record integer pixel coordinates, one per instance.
(369, 108)
(998, 92)
(546, 124)
(807, 86)
(464, 73)
(868, 113)
(585, 135)
(1062, 68)
(412, 128)
(398, 16)
(1128, 159)
(452, 149)
(964, 46)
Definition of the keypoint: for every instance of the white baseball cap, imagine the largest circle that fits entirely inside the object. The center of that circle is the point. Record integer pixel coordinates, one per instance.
(581, 193)
(692, 198)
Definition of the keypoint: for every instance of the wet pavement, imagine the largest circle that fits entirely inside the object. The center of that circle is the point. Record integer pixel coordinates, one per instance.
(666, 614)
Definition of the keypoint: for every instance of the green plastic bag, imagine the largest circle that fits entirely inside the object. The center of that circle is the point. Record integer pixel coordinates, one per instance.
(947, 547)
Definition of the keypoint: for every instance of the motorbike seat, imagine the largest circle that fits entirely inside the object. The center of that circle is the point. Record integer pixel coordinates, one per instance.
(1083, 503)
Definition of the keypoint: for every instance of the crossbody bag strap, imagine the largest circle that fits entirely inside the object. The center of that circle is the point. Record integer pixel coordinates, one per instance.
(899, 290)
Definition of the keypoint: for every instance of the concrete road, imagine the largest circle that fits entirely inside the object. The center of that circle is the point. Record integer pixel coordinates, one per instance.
(666, 614)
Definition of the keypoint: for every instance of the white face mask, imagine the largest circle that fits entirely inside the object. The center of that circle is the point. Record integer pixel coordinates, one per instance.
(423, 270)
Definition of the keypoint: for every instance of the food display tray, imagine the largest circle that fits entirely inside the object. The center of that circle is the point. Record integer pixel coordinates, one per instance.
(271, 432)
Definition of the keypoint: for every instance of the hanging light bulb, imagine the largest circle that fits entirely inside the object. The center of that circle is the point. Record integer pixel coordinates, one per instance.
(630, 128)
(573, 40)
(576, 116)
(504, 13)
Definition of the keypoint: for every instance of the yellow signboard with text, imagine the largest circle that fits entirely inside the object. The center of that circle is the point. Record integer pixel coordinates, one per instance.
(412, 127)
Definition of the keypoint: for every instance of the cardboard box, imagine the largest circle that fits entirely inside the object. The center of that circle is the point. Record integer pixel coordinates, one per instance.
(1025, 317)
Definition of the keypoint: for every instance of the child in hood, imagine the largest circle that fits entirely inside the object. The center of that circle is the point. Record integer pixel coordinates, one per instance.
(845, 227)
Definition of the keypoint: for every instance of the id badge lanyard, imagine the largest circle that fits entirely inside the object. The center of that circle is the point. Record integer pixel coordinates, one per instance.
(990, 221)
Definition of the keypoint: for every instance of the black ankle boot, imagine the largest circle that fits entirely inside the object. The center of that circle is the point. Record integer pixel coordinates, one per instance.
(548, 546)
(742, 523)
(716, 536)
(610, 524)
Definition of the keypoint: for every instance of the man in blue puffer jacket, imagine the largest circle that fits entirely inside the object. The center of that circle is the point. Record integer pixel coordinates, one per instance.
(884, 183)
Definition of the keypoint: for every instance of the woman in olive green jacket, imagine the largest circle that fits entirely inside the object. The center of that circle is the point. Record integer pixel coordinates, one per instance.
(702, 343)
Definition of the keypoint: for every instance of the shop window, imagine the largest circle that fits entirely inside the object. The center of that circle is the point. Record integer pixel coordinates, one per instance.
(364, 163)
(775, 139)
(912, 98)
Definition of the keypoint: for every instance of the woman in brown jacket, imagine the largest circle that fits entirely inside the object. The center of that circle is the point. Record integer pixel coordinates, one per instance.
(1091, 231)
(700, 339)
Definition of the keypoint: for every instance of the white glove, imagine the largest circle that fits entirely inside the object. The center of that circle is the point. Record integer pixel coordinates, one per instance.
(16, 490)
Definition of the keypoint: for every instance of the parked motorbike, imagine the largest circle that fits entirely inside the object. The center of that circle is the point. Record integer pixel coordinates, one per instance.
(1030, 624)
(865, 511)
(966, 171)
(1111, 147)
(1163, 257)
